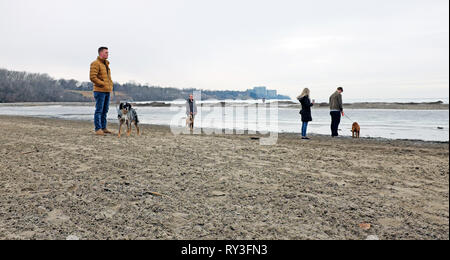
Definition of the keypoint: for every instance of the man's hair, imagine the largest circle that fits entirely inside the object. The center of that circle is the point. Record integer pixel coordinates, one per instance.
(101, 49)
(341, 89)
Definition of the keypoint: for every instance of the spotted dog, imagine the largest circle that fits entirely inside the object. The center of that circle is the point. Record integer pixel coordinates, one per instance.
(128, 115)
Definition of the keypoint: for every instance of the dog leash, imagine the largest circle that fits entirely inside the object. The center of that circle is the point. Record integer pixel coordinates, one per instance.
(348, 117)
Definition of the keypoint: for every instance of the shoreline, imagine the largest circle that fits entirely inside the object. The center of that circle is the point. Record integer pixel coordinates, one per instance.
(246, 132)
(282, 104)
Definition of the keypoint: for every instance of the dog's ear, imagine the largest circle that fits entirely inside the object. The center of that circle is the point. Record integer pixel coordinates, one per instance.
(121, 106)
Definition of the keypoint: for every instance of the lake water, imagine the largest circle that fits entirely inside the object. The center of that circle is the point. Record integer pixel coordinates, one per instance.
(391, 124)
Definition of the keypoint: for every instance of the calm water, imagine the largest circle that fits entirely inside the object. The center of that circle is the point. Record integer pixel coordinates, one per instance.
(392, 124)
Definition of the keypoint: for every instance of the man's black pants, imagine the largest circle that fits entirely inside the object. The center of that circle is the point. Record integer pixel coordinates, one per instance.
(335, 121)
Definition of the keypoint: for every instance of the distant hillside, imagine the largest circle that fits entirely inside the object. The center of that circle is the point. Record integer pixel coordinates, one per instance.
(28, 87)
(33, 87)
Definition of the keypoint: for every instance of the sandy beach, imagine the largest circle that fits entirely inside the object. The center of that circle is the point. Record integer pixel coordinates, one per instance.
(58, 180)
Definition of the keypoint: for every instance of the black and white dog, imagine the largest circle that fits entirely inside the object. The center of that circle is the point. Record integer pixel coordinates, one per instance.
(128, 115)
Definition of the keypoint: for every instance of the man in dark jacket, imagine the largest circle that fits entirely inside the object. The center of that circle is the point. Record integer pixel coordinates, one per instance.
(336, 110)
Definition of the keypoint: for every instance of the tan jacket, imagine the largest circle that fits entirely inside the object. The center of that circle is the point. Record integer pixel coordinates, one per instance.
(100, 75)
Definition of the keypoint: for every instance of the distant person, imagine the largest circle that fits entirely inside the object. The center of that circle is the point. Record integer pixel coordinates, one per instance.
(306, 111)
(191, 111)
(336, 110)
(100, 75)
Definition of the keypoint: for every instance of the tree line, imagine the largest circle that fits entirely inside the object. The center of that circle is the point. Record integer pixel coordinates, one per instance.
(35, 87)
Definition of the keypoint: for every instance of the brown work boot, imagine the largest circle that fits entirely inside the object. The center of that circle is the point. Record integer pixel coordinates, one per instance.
(100, 133)
(106, 131)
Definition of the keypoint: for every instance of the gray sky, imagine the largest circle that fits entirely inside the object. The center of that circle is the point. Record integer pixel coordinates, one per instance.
(374, 49)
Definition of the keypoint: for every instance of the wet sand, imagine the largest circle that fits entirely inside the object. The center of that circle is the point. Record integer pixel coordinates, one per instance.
(59, 180)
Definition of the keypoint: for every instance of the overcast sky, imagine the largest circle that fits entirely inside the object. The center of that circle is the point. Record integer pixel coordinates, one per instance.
(373, 48)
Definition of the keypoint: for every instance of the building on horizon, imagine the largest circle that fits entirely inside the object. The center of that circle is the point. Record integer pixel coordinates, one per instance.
(272, 94)
(260, 92)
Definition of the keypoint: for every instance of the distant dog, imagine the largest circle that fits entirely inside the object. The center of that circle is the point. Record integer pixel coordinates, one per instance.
(356, 130)
(190, 122)
(127, 115)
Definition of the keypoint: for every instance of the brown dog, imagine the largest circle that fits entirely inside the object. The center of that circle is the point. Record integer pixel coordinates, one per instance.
(356, 130)
(190, 122)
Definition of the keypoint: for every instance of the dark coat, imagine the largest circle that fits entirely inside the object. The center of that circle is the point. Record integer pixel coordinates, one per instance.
(188, 107)
(306, 109)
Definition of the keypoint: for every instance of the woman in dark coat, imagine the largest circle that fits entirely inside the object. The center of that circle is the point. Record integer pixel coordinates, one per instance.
(306, 110)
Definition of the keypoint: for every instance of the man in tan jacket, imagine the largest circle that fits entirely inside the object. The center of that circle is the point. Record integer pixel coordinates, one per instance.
(100, 75)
